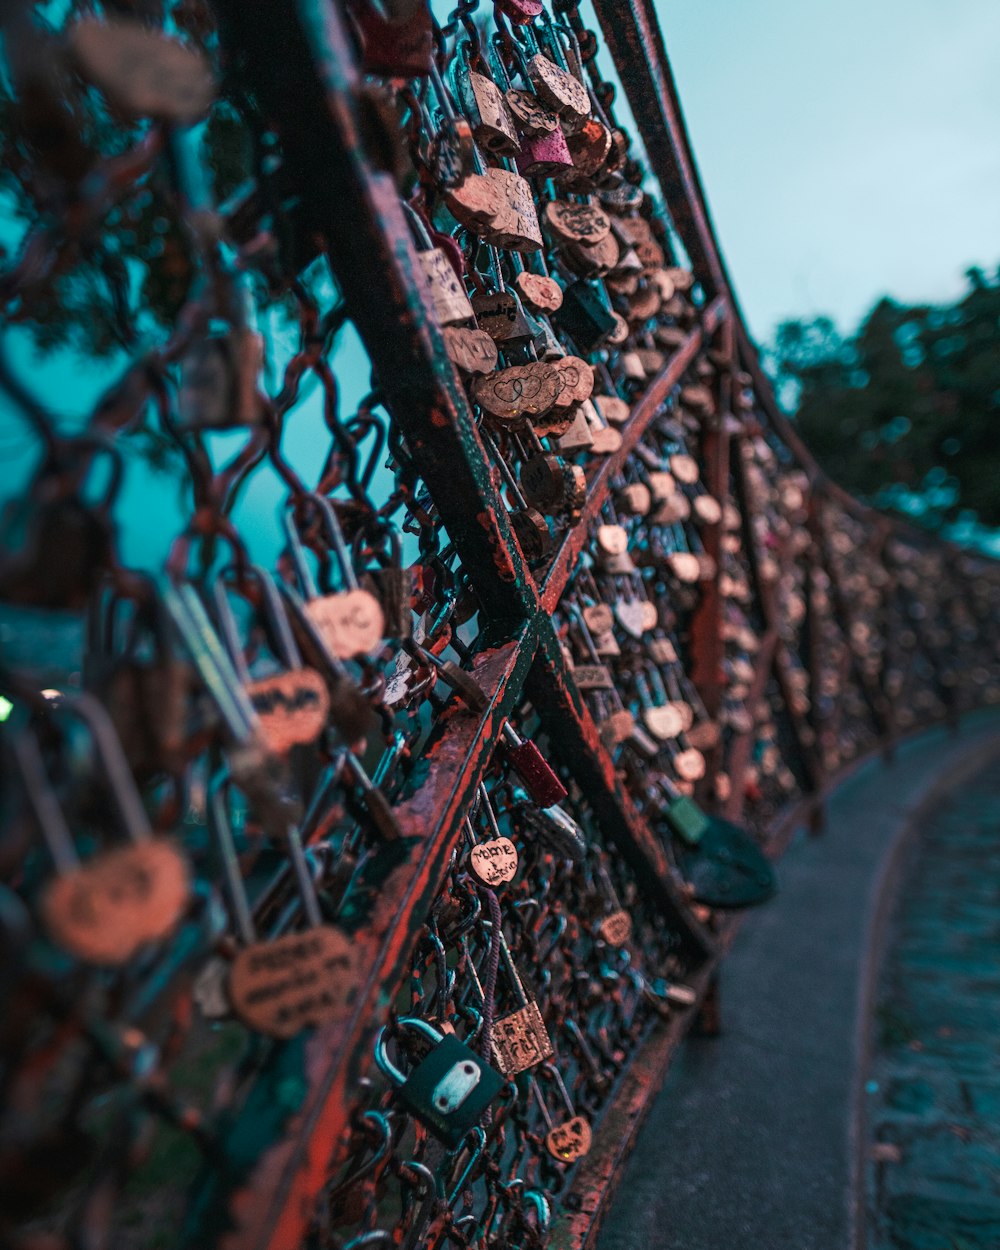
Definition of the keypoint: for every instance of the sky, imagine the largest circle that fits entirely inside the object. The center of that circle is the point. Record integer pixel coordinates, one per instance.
(847, 149)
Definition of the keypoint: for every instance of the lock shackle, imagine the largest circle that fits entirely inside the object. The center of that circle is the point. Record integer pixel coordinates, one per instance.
(335, 537)
(220, 827)
(44, 805)
(418, 227)
(382, 1043)
(187, 612)
(117, 774)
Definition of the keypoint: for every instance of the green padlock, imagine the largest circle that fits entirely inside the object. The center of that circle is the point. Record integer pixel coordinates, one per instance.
(686, 819)
(449, 1089)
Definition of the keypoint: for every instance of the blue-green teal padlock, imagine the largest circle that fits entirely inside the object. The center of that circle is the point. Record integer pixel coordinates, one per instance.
(449, 1089)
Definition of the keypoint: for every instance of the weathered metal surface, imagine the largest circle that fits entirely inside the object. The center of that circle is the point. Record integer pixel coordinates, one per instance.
(503, 594)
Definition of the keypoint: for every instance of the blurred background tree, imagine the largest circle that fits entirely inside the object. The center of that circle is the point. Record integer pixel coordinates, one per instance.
(904, 411)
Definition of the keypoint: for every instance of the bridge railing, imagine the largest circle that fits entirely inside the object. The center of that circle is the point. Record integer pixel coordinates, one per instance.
(374, 850)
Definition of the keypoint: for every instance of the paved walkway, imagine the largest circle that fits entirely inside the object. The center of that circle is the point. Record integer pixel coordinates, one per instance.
(934, 1093)
(754, 1143)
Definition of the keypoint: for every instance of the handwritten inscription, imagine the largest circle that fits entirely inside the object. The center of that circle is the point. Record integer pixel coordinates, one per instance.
(104, 911)
(570, 1141)
(352, 623)
(494, 863)
(292, 707)
(521, 1040)
(299, 979)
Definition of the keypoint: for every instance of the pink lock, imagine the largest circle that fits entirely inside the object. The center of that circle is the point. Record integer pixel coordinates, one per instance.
(544, 156)
(520, 12)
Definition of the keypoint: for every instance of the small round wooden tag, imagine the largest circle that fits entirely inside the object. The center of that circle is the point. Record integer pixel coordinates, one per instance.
(352, 622)
(612, 540)
(495, 862)
(663, 722)
(292, 707)
(690, 765)
(577, 223)
(104, 911)
(684, 468)
(539, 292)
(299, 979)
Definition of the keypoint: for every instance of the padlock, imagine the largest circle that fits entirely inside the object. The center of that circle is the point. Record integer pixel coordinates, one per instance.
(55, 546)
(533, 768)
(586, 314)
(449, 1090)
(103, 910)
(292, 705)
(568, 1136)
(686, 819)
(397, 38)
(350, 620)
(143, 72)
(448, 296)
(519, 1040)
(558, 88)
(492, 862)
(299, 979)
(552, 826)
(486, 107)
(530, 115)
(544, 156)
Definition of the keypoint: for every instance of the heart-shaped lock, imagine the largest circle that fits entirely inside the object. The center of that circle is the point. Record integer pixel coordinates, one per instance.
(292, 708)
(520, 391)
(494, 862)
(632, 616)
(569, 1141)
(352, 622)
(663, 721)
(105, 910)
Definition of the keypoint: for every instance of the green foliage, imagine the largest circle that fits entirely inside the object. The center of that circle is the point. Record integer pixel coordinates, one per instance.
(904, 411)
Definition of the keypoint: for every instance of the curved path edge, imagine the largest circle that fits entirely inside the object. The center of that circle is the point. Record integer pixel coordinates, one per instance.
(756, 1138)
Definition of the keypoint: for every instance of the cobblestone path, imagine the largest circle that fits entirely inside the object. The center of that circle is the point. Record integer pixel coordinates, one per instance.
(933, 1098)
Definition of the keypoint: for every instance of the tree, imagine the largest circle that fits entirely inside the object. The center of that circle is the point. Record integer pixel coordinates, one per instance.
(903, 412)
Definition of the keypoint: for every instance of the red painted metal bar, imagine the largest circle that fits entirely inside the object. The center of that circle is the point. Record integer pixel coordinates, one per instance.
(644, 411)
(356, 209)
(269, 1204)
(576, 738)
(707, 645)
(633, 36)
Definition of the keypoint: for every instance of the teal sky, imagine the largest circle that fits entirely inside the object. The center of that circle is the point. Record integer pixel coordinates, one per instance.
(847, 149)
